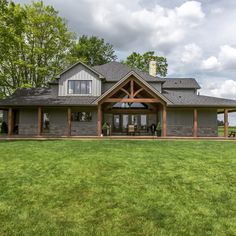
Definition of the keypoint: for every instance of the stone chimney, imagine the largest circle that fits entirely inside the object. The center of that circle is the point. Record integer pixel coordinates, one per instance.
(153, 68)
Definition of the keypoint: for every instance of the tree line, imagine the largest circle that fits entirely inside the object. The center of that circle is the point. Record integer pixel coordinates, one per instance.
(36, 45)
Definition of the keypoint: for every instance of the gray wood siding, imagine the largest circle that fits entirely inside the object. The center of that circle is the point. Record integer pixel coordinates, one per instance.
(79, 72)
(157, 86)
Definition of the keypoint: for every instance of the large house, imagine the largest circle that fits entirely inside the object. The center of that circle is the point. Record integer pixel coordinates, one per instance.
(83, 101)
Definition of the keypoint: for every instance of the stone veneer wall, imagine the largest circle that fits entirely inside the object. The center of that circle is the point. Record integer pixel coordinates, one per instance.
(207, 123)
(28, 122)
(58, 121)
(85, 128)
(180, 122)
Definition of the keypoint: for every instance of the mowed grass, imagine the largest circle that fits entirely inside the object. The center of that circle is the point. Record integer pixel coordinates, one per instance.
(221, 130)
(118, 188)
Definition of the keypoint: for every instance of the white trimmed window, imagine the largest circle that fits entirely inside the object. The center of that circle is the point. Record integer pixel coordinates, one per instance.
(79, 86)
(81, 116)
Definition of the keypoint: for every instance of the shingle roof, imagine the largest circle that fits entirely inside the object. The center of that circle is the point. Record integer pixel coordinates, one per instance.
(188, 99)
(178, 83)
(44, 96)
(115, 71)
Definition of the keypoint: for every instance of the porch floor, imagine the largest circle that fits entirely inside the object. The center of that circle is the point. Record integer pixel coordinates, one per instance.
(115, 137)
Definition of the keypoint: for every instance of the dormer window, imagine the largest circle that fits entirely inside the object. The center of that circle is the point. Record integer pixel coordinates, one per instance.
(79, 86)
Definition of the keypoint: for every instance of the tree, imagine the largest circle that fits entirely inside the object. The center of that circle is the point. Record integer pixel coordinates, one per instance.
(93, 51)
(35, 45)
(220, 123)
(141, 62)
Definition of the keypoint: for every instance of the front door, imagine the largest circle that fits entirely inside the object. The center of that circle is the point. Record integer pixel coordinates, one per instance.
(121, 122)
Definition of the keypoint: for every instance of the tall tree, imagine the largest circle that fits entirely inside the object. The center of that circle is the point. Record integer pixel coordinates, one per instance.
(141, 62)
(35, 45)
(93, 51)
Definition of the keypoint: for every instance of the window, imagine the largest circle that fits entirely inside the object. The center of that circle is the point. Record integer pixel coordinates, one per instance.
(143, 122)
(46, 121)
(81, 116)
(79, 86)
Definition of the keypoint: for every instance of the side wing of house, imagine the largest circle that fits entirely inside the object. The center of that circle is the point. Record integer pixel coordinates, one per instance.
(79, 81)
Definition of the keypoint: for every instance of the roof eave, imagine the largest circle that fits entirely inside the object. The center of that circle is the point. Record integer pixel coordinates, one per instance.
(201, 106)
(197, 87)
(47, 105)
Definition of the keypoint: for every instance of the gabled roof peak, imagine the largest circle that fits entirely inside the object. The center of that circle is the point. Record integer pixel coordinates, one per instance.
(78, 63)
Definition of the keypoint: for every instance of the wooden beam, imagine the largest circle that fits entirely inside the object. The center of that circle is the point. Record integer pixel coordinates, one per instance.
(164, 131)
(146, 88)
(99, 121)
(39, 121)
(122, 89)
(129, 111)
(138, 100)
(69, 120)
(195, 122)
(117, 89)
(137, 92)
(226, 123)
(131, 89)
(10, 121)
(151, 105)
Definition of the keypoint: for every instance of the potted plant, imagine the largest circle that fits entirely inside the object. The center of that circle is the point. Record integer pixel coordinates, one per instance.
(4, 128)
(158, 129)
(105, 129)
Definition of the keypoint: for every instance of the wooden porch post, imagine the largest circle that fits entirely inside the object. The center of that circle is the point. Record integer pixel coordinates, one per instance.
(131, 89)
(10, 121)
(164, 121)
(226, 123)
(69, 120)
(99, 121)
(195, 122)
(39, 121)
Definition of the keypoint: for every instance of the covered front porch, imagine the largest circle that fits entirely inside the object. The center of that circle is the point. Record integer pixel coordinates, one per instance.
(131, 108)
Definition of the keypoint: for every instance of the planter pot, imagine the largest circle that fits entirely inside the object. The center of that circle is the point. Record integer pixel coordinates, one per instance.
(104, 132)
(108, 132)
(158, 133)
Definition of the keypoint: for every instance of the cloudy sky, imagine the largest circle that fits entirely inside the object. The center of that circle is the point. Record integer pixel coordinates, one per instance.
(197, 37)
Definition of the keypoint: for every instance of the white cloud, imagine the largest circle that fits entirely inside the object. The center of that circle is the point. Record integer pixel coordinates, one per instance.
(191, 54)
(211, 63)
(217, 10)
(226, 60)
(226, 89)
(227, 57)
(130, 25)
(191, 11)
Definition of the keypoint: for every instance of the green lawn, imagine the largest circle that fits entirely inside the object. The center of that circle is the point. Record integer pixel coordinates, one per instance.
(118, 188)
(221, 130)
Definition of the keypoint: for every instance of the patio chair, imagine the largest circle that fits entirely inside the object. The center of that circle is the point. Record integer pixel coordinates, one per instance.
(131, 129)
(232, 134)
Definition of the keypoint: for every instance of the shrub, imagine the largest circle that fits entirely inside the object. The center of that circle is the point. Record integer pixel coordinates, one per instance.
(4, 128)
